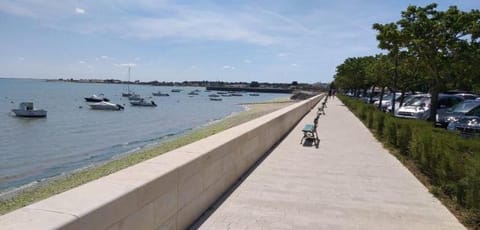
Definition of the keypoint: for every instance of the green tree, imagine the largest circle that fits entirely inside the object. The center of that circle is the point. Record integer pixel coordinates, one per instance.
(351, 74)
(442, 41)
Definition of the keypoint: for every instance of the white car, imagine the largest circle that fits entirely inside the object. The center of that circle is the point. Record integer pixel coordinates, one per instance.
(387, 101)
(416, 108)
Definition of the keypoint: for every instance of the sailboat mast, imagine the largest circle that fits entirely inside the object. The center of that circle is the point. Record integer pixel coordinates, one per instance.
(128, 84)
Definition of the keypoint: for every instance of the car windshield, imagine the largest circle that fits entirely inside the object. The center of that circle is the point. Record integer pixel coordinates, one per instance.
(418, 101)
(464, 107)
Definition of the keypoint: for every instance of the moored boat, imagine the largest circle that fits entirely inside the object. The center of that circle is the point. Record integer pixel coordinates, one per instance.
(128, 93)
(134, 97)
(215, 99)
(26, 109)
(95, 98)
(143, 102)
(160, 94)
(103, 105)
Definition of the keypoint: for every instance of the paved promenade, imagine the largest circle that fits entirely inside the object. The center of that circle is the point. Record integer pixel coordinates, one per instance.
(349, 182)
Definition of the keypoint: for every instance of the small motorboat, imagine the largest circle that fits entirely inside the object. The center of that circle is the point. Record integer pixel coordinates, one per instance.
(215, 99)
(236, 94)
(95, 98)
(143, 102)
(103, 105)
(214, 95)
(254, 94)
(135, 97)
(176, 90)
(127, 94)
(160, 94)
(193, 93)
(26, 109)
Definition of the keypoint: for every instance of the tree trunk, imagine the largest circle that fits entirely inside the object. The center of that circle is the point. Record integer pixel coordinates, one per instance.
(371, 94)
(402, 97)
(395, 77)
(381, 98)
(433, 105)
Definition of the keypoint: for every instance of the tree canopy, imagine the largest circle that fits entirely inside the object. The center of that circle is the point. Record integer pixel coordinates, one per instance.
(427, 50)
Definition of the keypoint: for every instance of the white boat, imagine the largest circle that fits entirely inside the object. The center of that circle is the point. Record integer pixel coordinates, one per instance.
(128, 93)
(26, 109)
(160, 94)
(135, 97)
(143, 102)
(95, 98)
(103, 105)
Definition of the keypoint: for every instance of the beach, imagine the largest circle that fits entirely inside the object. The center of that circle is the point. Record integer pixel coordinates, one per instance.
(65, 182)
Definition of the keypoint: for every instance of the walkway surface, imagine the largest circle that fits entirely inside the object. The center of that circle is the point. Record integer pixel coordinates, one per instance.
(349, 182)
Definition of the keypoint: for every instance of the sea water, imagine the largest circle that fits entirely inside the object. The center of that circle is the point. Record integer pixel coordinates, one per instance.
(73, 136)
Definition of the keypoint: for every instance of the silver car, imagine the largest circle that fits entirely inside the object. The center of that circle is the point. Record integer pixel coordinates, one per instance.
(420, 107)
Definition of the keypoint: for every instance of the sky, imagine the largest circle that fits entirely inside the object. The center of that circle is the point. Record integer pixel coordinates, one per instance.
(267, 41)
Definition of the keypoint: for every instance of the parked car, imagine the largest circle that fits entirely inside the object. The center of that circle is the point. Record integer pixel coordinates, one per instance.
(406, 100)
(419, 108)
(468, 126)
(467, 96)
(416, 108)
(387, 101)
(465, 108)
(366, 98)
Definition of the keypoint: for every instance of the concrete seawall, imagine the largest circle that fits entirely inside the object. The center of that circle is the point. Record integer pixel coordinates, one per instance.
(167, 192)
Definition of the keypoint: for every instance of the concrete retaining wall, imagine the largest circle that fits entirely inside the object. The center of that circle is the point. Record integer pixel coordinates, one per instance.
(167, 192)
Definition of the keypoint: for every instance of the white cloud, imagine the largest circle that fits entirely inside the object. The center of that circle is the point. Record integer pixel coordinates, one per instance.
(294, 65)
(79, 10)
(228, 67)
(21, 59)
(81, 62)
(137, 59)
(104, 57)
(247, 61)
(283, 55)
(126, 64)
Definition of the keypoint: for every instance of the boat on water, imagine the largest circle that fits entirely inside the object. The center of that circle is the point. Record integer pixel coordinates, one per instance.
(95, 98)
(160, 94)
(236, 94)
(176, 90)
(215, 99)
(143, 102)
(26, 109)
(213, 95)
(193, 93)
(128, 93)
(134, 97)
(103, 105)
(254, 94)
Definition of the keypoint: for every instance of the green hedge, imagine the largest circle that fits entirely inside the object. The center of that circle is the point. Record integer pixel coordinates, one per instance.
(451, 162)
